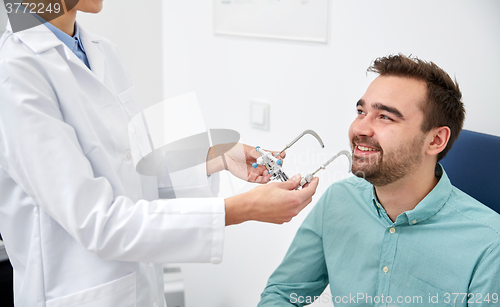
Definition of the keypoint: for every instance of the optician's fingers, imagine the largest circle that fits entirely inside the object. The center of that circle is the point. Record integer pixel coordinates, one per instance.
(307, 184)
(309, 189)
(292, 183)
(280, 154)
(254, 154)
(264, 178)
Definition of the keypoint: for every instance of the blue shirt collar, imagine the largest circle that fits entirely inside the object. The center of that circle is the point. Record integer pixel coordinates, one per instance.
(70, 42)
(76, 36)
(73, 43)
(65, 38)
(425, 209)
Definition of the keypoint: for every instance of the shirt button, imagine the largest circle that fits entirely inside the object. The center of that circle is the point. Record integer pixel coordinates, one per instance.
(385, 269)
(128, 156)
(392, 230)
(414, 221)
(154, 305)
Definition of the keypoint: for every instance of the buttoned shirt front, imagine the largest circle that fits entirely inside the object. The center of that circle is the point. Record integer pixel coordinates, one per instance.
(444, 252)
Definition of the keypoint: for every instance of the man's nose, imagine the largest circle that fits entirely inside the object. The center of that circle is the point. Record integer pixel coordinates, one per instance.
(363, 127)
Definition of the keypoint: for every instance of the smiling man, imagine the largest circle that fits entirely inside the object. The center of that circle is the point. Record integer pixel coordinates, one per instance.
(397, 234)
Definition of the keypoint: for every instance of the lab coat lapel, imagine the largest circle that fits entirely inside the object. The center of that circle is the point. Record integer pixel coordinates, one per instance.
(94, 53)
(38, 39)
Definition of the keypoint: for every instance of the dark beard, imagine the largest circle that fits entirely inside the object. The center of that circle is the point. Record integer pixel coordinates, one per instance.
(390, 167)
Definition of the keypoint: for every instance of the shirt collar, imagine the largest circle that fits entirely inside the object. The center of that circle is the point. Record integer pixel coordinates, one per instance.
(77, 36)
(65, 38)
(428, 207)
(70, 42)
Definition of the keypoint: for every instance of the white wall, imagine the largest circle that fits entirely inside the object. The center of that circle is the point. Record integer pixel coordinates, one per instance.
(136, 29)
(314, 86)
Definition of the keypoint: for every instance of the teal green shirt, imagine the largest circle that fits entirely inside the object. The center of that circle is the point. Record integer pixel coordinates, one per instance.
(444, 252)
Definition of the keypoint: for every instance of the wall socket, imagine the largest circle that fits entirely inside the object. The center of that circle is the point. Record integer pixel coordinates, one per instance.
(259, 115)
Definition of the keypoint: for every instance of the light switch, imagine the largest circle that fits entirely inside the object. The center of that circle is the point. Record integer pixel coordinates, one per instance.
(259, 115)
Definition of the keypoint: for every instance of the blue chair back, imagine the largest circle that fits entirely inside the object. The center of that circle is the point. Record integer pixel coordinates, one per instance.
(473, 166)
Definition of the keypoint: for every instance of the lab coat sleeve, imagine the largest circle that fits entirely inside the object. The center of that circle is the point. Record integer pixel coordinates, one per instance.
(484, 287)
(43, 156)
(196, 183)
(302, 275)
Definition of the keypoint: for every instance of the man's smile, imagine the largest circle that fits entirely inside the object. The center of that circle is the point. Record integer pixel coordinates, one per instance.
(363, 150)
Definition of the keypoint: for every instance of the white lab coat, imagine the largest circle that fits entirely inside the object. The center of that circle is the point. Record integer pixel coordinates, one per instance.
(73, 211)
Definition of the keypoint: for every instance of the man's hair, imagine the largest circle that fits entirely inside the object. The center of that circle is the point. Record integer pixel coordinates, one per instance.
(443, 105)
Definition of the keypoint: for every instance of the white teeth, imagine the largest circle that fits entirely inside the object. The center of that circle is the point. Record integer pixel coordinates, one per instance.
(362, 148)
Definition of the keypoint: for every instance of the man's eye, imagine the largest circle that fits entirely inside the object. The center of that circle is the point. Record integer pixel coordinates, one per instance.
(360, 112)
(385, 117)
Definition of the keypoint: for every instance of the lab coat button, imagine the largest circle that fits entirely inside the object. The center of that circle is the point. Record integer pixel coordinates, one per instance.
(128, 156)
(216, 260)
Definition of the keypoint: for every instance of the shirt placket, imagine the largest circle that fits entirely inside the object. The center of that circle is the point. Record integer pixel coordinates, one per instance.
(387, 256)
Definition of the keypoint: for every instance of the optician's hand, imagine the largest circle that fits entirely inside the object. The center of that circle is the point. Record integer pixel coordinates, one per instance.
(238, 159)
(276, 202)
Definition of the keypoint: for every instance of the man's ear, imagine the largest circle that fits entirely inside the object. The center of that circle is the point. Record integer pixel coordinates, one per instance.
(438, 139)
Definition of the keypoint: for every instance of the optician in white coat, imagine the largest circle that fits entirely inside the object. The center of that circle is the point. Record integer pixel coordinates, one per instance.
(80, 226)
